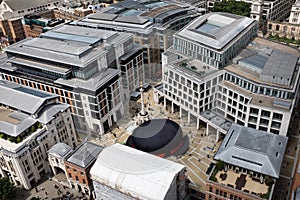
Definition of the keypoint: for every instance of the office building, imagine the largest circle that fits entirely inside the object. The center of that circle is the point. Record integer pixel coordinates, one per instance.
(151, 22)
(85, 67)
(31, 122)
(121, 172)
(259, 89)
(250, 164)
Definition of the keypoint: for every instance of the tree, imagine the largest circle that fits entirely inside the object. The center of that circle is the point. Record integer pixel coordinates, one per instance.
(7, 189)
(220, 165)
(232, 6)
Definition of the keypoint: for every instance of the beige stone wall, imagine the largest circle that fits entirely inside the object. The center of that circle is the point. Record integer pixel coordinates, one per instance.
(287, 30)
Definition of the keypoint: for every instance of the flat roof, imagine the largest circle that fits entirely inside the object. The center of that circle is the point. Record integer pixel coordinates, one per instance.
(215, 30)
(70, 45)
(253, 149)
(264, 57)
(94, 82)
(280, 64)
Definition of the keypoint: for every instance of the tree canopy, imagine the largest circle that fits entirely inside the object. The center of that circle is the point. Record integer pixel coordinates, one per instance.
(7, 189)
(232, 6)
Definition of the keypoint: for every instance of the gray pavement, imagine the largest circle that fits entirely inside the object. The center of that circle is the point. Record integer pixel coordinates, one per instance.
(54, 188)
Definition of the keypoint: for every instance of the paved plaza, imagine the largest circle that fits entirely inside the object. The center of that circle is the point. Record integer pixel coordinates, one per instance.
(201, 149)
(197, 159)
(52, 188)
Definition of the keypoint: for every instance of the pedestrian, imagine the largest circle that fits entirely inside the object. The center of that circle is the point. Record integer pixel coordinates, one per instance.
(36, 190)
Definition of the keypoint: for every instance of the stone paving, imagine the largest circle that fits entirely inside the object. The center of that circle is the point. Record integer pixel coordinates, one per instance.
(51, 187)
(197, 159)
(199, 155)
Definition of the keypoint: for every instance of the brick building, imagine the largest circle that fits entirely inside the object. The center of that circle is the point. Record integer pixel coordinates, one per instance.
(78, 165)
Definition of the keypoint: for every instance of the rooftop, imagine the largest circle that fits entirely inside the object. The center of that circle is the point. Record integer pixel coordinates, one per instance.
(253, 149)
(141, 174)
(31, 99)
(215, 30)
(137, 16)
(60, 149)
(85, 154)
(267, 62)
(71, 45)
(24, 4)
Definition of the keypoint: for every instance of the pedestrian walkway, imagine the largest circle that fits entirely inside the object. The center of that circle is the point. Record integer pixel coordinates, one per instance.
(54, 188)
(199, 155)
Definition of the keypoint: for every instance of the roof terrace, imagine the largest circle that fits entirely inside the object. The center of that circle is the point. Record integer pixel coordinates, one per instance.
(247, 182)
(195, 67)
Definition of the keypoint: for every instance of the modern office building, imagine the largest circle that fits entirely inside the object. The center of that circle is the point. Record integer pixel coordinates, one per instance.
(78, 165)
(121, 172)
(151, 22)
(274, 10)
(85, 67)
(31, 122)
(250, 164)
(257, 89)
(215, 38)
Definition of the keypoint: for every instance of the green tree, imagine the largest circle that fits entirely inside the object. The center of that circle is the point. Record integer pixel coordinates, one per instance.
(232, 6)
(32, 129)
(220, 165)
(7, 189)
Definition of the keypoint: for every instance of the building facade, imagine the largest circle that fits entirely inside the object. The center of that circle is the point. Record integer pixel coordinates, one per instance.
(29, 130)
(81, 65)
(78, 165)
(284, 30)
(295, 13)
(13, 29)
(249, 92)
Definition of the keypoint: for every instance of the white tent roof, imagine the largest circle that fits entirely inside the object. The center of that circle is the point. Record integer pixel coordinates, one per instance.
(135, 173)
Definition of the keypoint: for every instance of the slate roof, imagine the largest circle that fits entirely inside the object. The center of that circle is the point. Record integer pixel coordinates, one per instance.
(253, 149)
(22, 98)
(85, 154)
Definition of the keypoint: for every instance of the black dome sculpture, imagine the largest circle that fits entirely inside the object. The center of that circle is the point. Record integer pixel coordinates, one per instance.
(162, 137)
